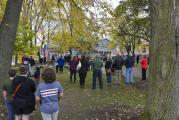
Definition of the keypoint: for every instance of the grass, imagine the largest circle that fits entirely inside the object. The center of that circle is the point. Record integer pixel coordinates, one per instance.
(78, 104)
(84, 100)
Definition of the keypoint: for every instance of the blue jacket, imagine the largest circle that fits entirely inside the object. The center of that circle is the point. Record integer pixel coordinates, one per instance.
(61, 62)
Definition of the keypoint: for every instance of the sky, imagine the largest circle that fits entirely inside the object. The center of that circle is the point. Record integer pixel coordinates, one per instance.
(114, 3)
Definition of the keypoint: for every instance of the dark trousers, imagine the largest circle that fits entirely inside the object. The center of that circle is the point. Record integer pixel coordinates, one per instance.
(72, 73)
(144, 74)
(61, 68)
(82, 79)
(57, 68)
(97, 73)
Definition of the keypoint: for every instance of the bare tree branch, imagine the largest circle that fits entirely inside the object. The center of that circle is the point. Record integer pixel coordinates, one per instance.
(123, 33)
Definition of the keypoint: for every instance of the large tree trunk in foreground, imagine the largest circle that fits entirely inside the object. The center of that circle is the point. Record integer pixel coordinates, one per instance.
(8, 29)
(164, 66)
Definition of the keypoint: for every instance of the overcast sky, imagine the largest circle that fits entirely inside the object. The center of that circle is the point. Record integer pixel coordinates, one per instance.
(114, 3)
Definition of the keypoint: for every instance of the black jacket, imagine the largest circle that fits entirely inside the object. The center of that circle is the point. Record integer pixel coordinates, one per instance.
(130, 62)
(32, 61)
(118, 62)
(108, 64)
(84, 67)
(24, 97)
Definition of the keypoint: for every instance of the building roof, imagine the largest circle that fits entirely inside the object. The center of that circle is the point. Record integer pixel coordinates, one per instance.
(102, 45)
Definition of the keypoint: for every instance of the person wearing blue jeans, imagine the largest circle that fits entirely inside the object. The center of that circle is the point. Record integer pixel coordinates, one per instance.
(108, 77)
(97, 73)
(108, 66)
(7, 94)
(129, 75)
(10, 110)
(129, 69)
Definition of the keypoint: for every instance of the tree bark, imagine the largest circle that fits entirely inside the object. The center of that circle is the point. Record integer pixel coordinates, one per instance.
(176, 83)
(8, 29)
(164, 66)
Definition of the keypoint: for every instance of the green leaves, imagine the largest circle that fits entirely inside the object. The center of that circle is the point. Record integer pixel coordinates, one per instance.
(24, 39)
(132, 24)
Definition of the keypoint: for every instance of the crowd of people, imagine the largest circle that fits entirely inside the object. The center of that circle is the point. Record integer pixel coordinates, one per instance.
(25, 91)
(113, 68)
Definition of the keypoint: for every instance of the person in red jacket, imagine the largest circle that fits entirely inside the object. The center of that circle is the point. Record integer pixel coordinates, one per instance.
(144, 65)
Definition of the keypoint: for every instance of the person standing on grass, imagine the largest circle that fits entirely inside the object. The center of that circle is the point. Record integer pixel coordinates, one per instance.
(83, 71)
(56, 66)
(23, 95)
(117, 65)
(26, 64)
(137, 59)
(31, 61)
(41, 61)
(61, 63)
(144, 66)
(73, 66)
(44, 60)
(97, 72)
(130, 60)
(108, 66)
(53, 60)
(48, 94)
(37, 75)
(8, 94)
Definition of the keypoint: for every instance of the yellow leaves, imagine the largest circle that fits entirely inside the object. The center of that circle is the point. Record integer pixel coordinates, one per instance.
(2, 8)
(70, 19)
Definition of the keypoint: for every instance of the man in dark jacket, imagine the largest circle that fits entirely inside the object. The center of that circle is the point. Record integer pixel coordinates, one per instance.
(23, 95)
(83, 71)
(31, 61)
(130, 60)
(117, 64)
(73, 66)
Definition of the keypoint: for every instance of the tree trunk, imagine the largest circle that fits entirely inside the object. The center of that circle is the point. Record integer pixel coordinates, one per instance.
(164, 66)
(8, 29)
